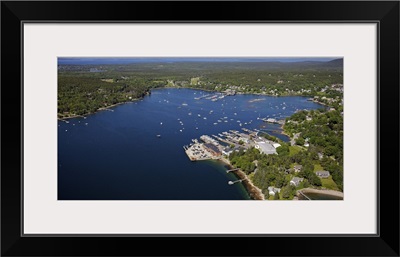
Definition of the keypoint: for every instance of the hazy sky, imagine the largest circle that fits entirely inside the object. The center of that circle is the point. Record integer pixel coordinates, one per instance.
(127, 60)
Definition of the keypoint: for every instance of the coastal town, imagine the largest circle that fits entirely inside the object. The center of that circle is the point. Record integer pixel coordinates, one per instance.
(215, 147)
(220, 147)
(283, 142)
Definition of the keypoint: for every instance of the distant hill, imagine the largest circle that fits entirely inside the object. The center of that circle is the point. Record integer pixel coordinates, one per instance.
(335, 63)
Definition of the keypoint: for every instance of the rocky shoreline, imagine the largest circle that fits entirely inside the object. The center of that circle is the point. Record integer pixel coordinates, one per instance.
(254, 192)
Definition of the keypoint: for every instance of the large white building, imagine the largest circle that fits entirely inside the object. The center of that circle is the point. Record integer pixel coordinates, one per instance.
(264, 146)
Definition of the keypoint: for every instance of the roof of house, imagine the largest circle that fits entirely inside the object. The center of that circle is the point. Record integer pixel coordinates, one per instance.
(298, 166)
(296, 179)
(276, 145)
(322, 172)
(274, 189)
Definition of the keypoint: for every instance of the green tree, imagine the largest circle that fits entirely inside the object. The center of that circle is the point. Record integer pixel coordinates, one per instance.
(300, 141)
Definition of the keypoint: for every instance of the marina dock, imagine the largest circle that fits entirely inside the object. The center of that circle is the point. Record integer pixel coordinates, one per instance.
(232, 170)
(274, 121)
(201, 152)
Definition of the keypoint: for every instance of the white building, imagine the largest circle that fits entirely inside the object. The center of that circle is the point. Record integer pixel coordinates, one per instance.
(273, 190)
(264, 147)
(276, 145)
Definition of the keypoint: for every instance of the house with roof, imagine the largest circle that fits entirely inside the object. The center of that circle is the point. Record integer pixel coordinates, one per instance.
(323, 173)
(296, 181)
(297, 168)
(273, 190)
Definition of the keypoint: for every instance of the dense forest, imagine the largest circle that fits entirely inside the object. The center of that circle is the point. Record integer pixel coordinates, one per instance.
(83, 89)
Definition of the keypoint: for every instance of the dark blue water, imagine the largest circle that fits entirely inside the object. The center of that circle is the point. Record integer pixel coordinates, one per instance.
(117, 155)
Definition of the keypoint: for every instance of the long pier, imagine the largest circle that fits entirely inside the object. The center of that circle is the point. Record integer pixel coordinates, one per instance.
(308, 198)
(236, 181)
(232, 170)
(225, 140)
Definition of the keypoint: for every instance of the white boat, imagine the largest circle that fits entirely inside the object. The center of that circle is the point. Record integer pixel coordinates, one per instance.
(158, 135)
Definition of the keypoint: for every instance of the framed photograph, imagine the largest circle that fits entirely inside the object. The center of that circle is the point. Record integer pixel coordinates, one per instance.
(261, 122)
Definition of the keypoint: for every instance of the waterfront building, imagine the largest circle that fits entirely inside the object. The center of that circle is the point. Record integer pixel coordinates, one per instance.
(213, 149)
(264, 147)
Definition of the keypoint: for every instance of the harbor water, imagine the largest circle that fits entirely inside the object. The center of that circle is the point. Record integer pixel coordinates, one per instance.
(134, 151)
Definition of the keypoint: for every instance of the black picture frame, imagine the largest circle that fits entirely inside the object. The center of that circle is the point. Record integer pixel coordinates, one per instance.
(384, 243)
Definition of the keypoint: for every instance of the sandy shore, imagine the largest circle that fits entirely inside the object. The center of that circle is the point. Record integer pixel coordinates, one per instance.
(254, 192)
(322, 191)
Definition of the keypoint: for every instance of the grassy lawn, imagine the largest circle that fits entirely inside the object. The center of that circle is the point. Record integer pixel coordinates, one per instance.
(294, 149)
(318, 167)
(329, 183)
